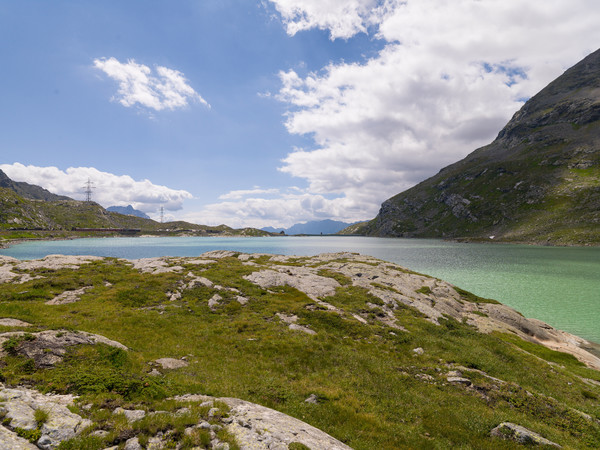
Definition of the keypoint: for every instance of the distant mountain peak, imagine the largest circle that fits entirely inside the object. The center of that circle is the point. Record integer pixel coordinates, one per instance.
(128, 211)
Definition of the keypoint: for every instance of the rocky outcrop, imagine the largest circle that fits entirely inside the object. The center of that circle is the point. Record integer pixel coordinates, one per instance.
(47, 348)
(257, 427)
(19, 406)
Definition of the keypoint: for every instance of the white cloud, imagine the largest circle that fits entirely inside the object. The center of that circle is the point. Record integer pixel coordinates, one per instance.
(110, 189)
(281, 211)
(164, 89)
(343, 18)
(238, 194)
(450, 76)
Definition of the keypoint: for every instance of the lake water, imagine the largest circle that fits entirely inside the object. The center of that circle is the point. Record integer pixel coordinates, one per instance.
(559, 285)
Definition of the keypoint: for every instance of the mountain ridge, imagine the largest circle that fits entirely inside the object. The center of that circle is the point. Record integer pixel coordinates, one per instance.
(536, 182)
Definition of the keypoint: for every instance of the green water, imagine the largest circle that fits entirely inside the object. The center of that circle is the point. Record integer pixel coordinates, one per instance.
(559, 285)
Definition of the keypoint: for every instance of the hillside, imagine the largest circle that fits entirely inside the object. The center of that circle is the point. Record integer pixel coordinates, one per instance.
(27, 190)
(180, 353)
(29, 218)
(539, 181)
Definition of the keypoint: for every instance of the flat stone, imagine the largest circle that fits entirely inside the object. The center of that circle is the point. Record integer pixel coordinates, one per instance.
(459, 380)
(171, 363)
(517, 433)
(13, 323)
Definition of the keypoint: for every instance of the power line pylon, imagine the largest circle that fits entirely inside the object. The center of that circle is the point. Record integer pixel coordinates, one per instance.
(162, 214)
(88, 189)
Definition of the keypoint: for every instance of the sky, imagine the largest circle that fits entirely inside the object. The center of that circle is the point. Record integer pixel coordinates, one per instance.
(267, 112)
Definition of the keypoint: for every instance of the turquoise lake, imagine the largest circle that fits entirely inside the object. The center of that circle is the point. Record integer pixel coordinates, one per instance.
(559, 285)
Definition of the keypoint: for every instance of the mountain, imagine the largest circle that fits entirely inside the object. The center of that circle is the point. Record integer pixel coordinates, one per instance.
(29, 191)
(313, 227)
(538, 181)
(128, 211)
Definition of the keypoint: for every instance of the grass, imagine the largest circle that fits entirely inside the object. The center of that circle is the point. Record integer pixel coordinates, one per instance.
(367, 379)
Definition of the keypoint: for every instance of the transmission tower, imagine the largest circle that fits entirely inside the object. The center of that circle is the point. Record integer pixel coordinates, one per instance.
(88, 189)
(162, 214)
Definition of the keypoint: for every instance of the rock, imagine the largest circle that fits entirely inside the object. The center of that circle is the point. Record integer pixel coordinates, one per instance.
(214, 301)
(302, 278)
(13, 323)
(459, 380)
(296, 327)
(48, 347)
(258, 427)
(10, 441)
(199, 281)
(55, 262)
(131, 414)
(154, 373)
(20, 405)
(218, 254)
(418, 351)
(171, 363)
(154, 265)
(312, 398)
(522, 435)
(132, 444)
(241, 300)
(68, 297)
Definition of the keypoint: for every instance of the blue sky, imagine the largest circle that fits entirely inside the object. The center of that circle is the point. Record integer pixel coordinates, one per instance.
(258, 113)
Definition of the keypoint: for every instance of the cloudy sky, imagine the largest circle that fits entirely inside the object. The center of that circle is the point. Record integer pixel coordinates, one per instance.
(268, 112)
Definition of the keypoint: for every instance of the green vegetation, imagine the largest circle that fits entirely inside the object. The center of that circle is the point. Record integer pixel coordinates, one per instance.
(373, 390)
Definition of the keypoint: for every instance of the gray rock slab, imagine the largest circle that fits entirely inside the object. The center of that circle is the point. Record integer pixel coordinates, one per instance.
(258, 427)
(171, 363)
(517, 433)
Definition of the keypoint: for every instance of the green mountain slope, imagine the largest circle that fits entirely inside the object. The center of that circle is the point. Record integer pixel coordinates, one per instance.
(539, 181)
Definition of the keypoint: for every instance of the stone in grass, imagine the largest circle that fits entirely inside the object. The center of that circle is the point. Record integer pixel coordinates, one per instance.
(171, 363)
(522, 435)
(418, 351)
(312, 398)
(131, 414)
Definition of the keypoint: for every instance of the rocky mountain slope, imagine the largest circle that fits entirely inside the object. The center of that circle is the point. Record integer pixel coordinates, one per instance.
(29, 191)
(539, 181)
(230, 350)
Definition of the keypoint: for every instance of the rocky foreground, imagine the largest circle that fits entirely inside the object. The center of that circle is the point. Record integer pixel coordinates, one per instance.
(35, 420)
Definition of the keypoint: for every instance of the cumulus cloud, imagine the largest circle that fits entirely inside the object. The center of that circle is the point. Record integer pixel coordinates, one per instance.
(162, 89)
(281, 211)
(450, 75)
(110, 189)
